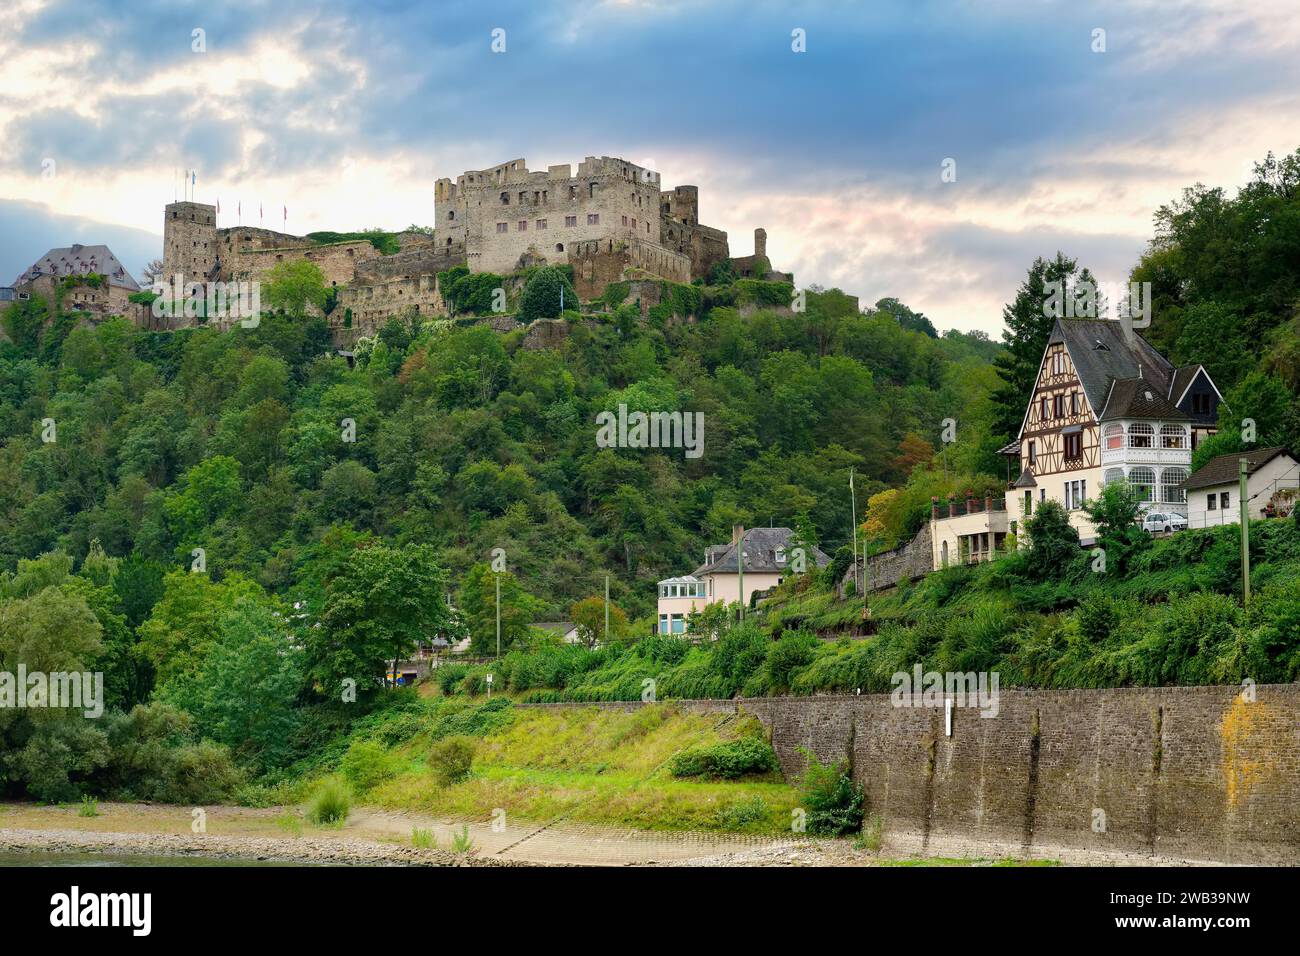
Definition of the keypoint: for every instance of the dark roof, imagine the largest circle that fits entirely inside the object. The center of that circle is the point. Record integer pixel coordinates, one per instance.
(1101, 352)
(1011, 449)
(761, 545)
(77, 259)
(1224, 469)
(1139, 398)
(1183, 377)
(1026, 480)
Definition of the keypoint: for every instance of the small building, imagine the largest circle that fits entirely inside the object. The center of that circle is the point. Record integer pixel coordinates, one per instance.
(767, 556)
(566, 631)
(1214, 489)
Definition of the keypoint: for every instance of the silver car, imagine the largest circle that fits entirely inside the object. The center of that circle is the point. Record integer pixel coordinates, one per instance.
(1156, 522)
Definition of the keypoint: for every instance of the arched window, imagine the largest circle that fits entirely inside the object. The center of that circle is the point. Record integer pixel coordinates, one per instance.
(1143, 482)
(559, 247)
(943, 552)
(1112, 476)
(1140, 435)
(1171, 486)
(1173, 436)
(1114, 435)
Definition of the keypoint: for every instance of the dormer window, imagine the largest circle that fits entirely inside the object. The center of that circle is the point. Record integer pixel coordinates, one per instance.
(1100, 346)
(780, 555)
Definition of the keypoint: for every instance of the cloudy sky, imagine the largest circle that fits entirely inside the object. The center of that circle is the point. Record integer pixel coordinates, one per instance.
(346, 111)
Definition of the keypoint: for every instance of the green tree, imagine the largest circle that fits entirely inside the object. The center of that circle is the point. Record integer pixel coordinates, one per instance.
(546, 293)
(588, 616)
(478, 606)
(294, 286)
(377, 607)
(1053, 541)
(1117, 513)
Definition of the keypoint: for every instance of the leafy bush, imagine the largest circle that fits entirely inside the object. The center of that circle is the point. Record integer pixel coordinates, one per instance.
(331, 803)
(742, 814)
(835, 804)
(735, 758)
(366, 765)
(452, 759)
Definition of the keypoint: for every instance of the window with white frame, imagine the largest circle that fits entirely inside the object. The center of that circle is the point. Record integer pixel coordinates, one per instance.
(1173, 436)
(1114, 435)
(1141, 435)
(1075, 493)
(1112, 476)
(1171, 486)
(1143, 482)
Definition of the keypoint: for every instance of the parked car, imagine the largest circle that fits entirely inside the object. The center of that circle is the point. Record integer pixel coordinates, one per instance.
(1157, 521)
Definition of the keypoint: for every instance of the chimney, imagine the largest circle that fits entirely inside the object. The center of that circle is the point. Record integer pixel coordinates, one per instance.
(737, 532)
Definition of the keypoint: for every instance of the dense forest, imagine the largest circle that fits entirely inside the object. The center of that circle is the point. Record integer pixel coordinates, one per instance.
(232, 526)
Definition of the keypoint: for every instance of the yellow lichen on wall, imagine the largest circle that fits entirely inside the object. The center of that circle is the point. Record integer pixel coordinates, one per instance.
(1247, 748)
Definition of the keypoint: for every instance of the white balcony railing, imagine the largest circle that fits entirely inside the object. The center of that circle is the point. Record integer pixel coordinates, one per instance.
(1147, 456)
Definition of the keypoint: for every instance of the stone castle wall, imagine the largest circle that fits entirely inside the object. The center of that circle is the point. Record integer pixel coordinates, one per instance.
(374, 304)
(1170, 773)
(596, 263)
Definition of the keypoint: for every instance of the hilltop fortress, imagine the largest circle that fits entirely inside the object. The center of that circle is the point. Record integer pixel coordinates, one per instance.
(611, 222)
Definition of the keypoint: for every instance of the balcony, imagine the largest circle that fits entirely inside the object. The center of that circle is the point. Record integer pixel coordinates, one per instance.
(971, 506)
(1146, 456)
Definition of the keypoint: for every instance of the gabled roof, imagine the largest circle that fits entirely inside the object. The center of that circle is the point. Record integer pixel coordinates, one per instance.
(1102, 352)
(80, 260)
(1139, 398)
(1225, 470)
(1010, 449)
(761, 545)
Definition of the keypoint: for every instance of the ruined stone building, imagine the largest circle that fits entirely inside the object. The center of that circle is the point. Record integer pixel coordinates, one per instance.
(109, 297)
(610, 220)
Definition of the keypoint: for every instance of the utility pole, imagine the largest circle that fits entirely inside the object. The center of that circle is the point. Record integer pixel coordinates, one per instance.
(498, 577)
(1242, 466)
(853, 505)
(607, 609)
(740, 568)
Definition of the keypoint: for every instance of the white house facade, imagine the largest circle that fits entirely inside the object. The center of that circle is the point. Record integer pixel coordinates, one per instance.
(767, 556)
(1214, 490)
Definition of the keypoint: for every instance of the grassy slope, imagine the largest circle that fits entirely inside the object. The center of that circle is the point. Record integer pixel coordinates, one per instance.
(588, 766)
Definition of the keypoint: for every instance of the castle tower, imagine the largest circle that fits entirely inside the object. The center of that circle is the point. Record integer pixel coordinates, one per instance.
(760, 242)
(189, 241)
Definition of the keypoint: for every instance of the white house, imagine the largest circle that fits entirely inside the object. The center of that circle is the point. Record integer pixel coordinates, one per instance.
(1106, 407)
(1214, 490)
(767, 559)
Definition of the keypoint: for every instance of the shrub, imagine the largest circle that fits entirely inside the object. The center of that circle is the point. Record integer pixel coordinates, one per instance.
(89, 807)
(452, 759)
(331, 803)
(742, 814)
(736, 758)
(366, 765)
(835, 804)
(423, 839)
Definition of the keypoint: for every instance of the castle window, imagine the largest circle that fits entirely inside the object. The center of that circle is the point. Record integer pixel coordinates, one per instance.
(505, 199)
(451, 215)
(559, 247)
(523, 225)
(573, 192)
(503, 226)
(591, 190)
(625, 220)
(541, 224)
(523, 198)
(593, 219)
(570, 220)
